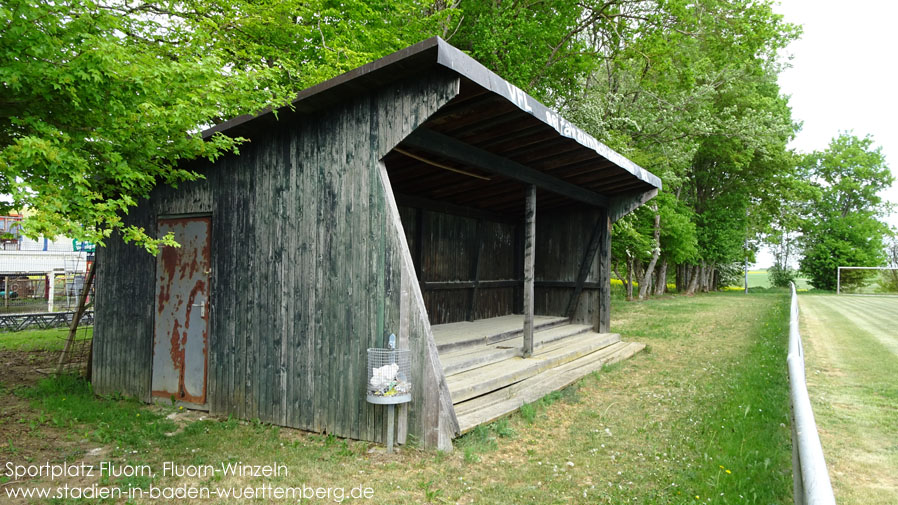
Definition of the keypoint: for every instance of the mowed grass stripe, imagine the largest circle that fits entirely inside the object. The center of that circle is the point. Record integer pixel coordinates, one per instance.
(854, 392)
(878, 316)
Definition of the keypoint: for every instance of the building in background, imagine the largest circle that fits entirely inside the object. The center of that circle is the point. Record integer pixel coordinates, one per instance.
(43, 275)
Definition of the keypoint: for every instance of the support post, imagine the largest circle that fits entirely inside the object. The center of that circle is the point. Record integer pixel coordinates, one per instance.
(603, 315)
(529, 249)
(51, 290)
(6, 291)
(391, 413)
(838, 280)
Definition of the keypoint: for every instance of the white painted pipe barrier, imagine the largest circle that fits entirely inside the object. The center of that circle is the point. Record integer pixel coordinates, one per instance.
(811, 485)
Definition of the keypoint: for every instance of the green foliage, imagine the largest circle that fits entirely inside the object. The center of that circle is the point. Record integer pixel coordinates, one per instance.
(689, 91)
(843, 227)
(533, 44)
(781, 277)
(528, 412)
(104, 101)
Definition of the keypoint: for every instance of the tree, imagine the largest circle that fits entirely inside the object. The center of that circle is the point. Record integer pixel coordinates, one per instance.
(689, 91)
(102, 101)
(844, 227)
(890, 277)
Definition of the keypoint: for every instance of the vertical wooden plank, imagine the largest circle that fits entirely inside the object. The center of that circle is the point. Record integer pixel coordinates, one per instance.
(224, 298)
(250, 326)
(243, 174)
(603, 314)
(262, 283)
(477, 251)
(419, 242)
(373, 257)
(358, 159)
(338, 335)
(529, 260)
(301, 294)
(403, 343)
(287, 263)
(308, 283)
(519, 268)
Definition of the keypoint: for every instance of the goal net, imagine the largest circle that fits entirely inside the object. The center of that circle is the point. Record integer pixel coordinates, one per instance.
(867, 280)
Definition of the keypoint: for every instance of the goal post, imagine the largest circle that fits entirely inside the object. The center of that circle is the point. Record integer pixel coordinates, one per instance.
(867, 280)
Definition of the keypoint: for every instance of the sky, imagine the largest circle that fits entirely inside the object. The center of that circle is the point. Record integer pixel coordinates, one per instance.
(843, 77)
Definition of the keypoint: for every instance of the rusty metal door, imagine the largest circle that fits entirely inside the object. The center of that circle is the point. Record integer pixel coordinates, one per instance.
(181, 335)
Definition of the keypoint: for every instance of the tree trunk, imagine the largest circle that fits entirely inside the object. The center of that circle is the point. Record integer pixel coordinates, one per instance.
(707, 273)
(656, 253)
(616, 270)
(661, 282)
(693, 279)
(700, 287)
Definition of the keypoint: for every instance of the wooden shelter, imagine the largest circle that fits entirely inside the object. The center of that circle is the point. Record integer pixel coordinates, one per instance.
(420, 195)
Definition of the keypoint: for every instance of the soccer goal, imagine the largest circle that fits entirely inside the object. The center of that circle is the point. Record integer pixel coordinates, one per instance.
(867, 280)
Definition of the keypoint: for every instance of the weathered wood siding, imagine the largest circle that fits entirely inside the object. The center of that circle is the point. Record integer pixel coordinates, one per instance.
(308, 273)
(457, 258)
(562, 241)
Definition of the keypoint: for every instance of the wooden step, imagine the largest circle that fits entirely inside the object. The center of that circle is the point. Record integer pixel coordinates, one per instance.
(472, 383)
(492, 406)
(510, 392)
(468, 358)
(455, 336)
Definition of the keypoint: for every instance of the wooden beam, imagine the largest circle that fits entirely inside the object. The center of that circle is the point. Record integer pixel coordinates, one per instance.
(417, 202)
(475, 269)
(622, 205)
(529, 249)
(440, 165)
(565, 285)
(448, 285)
(586, 262)
(443, 145)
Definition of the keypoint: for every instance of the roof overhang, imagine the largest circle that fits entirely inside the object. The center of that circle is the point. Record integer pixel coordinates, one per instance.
(480, 147)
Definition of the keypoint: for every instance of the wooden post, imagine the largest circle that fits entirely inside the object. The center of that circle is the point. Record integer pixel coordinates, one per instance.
(51, 290)
(603, 315)
(529, 239)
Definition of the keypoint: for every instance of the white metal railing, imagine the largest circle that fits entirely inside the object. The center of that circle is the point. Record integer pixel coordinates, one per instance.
(811, 485)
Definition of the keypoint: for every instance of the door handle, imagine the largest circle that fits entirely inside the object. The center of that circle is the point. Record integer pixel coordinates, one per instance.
(202, 306)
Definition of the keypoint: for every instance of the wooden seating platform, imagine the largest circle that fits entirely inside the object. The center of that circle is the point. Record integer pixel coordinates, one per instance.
(488, 378)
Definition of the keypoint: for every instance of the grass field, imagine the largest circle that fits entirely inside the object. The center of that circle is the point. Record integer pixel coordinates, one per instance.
(700, 417)
(760, 279)
(851, 346)
(49, 340)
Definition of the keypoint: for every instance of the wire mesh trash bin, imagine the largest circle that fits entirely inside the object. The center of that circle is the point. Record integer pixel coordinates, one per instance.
(389, 382)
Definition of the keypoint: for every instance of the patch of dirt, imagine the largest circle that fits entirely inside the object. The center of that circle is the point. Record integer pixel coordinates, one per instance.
(24, 438)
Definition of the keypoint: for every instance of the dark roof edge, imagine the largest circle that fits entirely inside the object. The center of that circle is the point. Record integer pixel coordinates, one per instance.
(377, 66)
(453, 58)
(437, 51)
